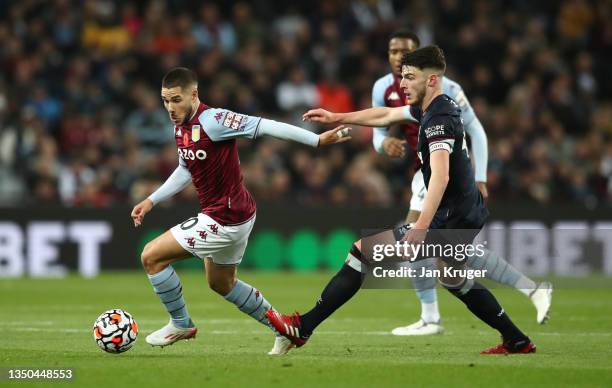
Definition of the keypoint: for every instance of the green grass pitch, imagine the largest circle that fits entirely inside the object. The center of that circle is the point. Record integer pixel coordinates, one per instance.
(47, 324)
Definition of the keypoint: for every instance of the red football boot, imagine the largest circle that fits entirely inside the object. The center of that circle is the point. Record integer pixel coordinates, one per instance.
(288, 326)
(503, 348)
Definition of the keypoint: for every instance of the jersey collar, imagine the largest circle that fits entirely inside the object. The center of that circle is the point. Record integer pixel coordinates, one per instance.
(196, 115)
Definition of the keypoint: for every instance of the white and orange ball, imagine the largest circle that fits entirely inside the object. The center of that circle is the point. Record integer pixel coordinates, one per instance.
(115, 331)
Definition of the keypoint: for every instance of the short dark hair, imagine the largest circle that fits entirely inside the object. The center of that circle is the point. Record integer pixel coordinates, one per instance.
(406, 34)
(426, 57)
(179, 76)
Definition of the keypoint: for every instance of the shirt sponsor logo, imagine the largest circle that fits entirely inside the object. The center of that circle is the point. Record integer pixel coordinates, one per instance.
(188, 154)
(434, 130)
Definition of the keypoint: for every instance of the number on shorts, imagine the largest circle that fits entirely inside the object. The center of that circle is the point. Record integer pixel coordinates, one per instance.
(186, 224)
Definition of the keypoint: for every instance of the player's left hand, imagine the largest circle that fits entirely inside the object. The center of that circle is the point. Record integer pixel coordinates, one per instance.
(340, 134)
(415, 236)
(482, 187)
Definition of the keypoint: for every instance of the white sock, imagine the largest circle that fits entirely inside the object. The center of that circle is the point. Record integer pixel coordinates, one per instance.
(525, 285)
(430, 312)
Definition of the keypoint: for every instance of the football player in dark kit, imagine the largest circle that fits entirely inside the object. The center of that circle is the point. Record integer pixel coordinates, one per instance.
(453, 201)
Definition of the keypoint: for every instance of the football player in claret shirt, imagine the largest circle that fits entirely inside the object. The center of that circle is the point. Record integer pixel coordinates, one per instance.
(388, 93)
(452, 201)
(208, 158)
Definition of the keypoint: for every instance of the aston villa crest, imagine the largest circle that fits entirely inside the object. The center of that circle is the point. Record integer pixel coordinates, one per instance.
(195, 133)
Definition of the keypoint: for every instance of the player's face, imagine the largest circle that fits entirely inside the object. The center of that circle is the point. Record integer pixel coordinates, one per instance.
(178, 103)
(414, 84)
(397, 48)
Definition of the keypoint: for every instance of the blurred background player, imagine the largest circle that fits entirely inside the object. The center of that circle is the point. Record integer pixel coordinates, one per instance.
(208, 157)
(388, 93)
(452, 202)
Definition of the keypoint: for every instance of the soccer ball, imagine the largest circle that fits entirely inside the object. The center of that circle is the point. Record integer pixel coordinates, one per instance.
(115, 331)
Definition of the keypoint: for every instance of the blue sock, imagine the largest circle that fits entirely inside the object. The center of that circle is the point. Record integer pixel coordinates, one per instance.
(250, 301)
(497, 268)
(167, 286)
(425, 288)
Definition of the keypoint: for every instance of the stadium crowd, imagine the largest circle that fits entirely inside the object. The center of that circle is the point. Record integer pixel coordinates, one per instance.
(82, 124)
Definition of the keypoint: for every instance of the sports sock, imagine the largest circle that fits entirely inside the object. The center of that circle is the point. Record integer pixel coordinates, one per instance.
(337, 292)
(430, 313)
(425, 288)
(525, 285)
(167, 286)
(481, 302)
(250, 301)
(501, 271)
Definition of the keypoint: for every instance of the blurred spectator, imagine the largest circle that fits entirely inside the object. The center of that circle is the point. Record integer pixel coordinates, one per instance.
(210, 31)
(296, 94)
(81, 122)
(149, 123)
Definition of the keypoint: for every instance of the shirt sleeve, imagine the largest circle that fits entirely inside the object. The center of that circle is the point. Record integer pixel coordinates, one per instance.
(175, 183)
(287, 132)
(480, 150)
(223, 124)
(472, 126)
(440, 134)
(455, 91)
(378, 100)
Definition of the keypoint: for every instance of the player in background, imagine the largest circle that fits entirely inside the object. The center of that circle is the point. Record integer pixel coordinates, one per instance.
(452, 201)
(387, 92)
(208, 158)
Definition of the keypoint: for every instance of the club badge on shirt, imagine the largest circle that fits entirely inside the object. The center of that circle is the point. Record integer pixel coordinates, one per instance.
(195, 133)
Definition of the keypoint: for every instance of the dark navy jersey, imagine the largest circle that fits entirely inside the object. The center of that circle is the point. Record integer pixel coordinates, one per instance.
(441, 130)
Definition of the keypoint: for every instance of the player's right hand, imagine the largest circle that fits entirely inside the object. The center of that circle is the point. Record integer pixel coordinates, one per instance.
(140, 210)
(321, 116)
(394, 147)
(340, 134)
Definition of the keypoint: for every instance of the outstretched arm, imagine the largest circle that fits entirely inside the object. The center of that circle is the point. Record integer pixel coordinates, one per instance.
(221, 124)
(291, 132)
(175, 183)
(372, 117)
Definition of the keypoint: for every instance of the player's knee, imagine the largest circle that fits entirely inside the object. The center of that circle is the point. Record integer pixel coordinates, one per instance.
(357, 244)
(221, 285)
(450, 281)
(149, 257)
(459, 288)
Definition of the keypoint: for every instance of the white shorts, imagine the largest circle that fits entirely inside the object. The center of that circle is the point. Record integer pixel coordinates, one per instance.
(204, 237)
(418, 191)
